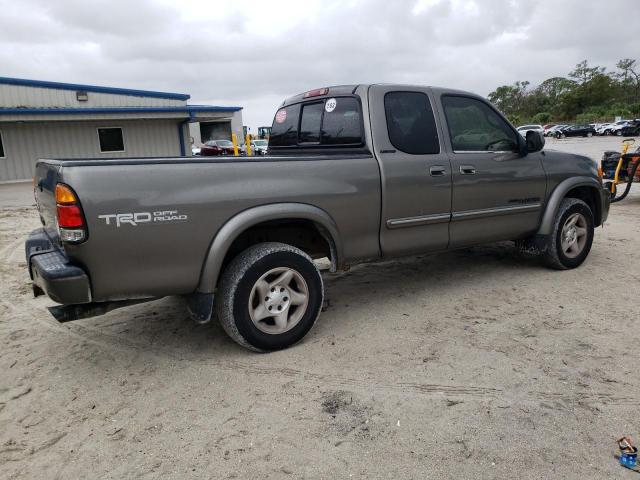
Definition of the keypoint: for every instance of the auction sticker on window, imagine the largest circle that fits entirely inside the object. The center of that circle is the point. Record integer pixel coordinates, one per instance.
(331, 104)
(281, 115)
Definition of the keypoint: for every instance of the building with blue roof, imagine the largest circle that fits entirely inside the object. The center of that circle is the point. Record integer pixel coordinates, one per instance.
(41, 119)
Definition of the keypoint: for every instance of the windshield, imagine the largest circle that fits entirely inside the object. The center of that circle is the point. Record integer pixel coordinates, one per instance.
(224, 143)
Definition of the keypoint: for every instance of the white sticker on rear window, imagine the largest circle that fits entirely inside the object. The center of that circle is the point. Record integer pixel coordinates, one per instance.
(281, 116)
(331, 104)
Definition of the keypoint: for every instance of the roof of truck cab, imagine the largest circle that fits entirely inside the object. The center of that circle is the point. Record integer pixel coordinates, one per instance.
(331, 91)
(351, 89)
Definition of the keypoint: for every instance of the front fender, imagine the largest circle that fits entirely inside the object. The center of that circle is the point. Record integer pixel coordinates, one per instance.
(278, 211)
(560, 193)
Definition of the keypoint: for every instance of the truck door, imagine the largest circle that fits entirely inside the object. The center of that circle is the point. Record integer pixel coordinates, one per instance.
(415, 171)
(497, 192)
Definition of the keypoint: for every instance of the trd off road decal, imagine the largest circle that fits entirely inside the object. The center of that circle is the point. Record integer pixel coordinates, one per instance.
(140, 218)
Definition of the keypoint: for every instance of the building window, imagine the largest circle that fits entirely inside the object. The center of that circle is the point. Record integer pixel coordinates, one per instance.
(111, 139)
(2, 155)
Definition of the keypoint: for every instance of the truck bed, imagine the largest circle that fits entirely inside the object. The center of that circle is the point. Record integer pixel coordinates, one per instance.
(198, 196)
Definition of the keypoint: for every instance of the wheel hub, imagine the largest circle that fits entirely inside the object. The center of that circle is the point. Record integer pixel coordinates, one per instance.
(574, 235)
(278, 300)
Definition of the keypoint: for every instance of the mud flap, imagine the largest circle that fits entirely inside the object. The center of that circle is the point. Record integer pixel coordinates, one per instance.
(200, 307)
(534, 245)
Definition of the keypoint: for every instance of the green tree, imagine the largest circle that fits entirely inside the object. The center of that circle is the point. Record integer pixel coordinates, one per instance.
(629, 76)
(588, 94)
(509, 98)
(583, 72)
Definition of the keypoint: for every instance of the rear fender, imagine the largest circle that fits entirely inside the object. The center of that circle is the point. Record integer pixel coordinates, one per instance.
(253, 216)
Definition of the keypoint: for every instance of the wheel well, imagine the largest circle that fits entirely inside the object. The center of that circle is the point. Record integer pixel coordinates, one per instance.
(306, 235)
(588, 195)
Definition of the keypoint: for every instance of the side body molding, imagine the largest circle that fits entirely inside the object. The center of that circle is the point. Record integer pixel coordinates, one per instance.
(559, 193)
(278, 211)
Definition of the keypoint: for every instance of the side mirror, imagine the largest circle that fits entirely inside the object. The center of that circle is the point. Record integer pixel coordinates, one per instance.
(535, 141)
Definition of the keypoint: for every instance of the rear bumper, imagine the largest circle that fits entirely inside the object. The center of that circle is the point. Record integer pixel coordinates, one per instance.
(52, 272)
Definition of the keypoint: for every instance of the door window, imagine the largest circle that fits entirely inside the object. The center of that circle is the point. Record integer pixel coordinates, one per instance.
(474, 126)
(1, 147)
(410, 123)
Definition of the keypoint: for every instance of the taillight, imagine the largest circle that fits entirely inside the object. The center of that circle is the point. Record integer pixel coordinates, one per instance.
(71, 222)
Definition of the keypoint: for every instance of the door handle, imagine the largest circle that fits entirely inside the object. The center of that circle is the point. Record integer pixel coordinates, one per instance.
(467, 169)
(437, 171)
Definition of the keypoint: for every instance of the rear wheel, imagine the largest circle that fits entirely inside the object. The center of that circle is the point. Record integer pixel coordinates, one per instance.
(269, 296)
(572, 235)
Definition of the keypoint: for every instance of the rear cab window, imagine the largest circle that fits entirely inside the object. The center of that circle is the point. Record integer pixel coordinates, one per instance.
(330, 122)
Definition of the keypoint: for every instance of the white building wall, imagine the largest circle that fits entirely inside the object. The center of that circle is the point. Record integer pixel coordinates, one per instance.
(25, 143)
(16, 96)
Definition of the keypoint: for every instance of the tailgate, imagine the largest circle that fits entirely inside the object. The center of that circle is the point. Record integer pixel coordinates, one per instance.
(45, 181)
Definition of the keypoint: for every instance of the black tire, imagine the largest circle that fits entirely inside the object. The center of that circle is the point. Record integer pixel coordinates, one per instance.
(554, 255)
(238, 280)
(618, 133)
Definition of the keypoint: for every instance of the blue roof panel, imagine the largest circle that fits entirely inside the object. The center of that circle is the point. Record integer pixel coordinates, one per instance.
(187, 110)
(92, 88)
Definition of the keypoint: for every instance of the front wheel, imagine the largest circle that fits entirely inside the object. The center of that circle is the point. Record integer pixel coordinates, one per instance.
(572, 235)
(269, 296)
(618, 133)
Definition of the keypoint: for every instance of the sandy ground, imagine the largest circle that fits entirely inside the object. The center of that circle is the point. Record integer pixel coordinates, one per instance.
(472, 364)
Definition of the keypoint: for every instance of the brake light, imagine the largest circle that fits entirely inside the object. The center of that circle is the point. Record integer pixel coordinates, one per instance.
(69, 214)
(316, 93)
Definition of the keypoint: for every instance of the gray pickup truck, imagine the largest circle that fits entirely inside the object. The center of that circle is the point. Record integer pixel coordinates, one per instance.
(353, 174)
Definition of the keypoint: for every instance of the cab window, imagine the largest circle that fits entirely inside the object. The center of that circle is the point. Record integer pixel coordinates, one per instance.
(284, 131)
(333, 121)
(310, 122)
(475, 127)
(410, 123)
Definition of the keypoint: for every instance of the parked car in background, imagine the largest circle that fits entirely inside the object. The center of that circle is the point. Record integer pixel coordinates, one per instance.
(259, 146)
(214, 148)
(631, 129)
(620, 127)
(195, 150)
(546, 128)
(551, 131)
(526, 128)
(602, 128)
(612, 128)
(576, 131)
